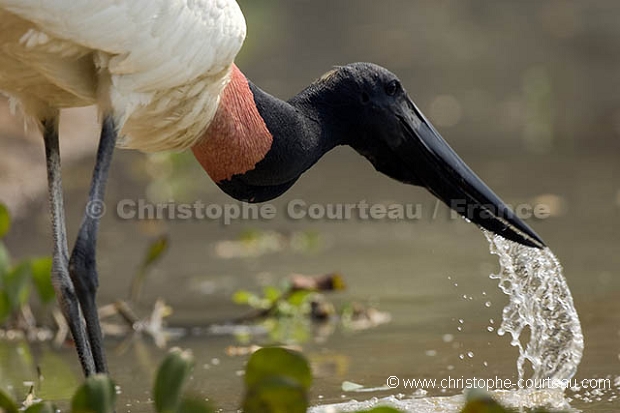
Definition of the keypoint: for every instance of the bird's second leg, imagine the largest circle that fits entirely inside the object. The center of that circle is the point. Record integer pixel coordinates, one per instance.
(60, 275)
(82, 265)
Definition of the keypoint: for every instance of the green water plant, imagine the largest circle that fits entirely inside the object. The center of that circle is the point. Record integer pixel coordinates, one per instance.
(98, 393)
(277, 380)
(293, 297)
(154, 253)
(169, 383)
(296, 309)
(18, 279)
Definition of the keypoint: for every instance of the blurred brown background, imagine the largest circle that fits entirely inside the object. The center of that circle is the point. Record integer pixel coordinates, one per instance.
(494, 76)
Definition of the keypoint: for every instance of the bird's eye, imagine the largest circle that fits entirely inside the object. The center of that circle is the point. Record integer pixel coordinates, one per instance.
(392, 87)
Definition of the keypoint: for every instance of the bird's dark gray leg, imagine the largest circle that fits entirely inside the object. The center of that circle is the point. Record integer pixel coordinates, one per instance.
(60, 274)
(82, 265)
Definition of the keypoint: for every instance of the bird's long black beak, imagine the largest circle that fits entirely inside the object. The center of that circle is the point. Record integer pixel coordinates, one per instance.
(438, 168)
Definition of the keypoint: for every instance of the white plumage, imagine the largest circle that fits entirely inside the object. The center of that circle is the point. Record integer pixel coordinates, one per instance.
(158, 65)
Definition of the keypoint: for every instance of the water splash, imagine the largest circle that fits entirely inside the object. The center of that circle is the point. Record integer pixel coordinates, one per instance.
(539, 299)
(552, 398)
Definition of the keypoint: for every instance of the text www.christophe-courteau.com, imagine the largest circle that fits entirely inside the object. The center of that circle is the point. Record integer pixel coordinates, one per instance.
(496, 383)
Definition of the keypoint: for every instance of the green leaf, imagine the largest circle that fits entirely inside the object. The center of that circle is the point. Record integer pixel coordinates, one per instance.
(297, 298)
(276, 361)
(5, 261)
(5, 306)
(96, 395)
(155, 251)
(380, 409)
(17, 285)
(479, 401)
(276, 394)
(250, 235)
(338, 283)
(41, 269)
(5, 220)
(272, 294)
(194, 405)
(44, 407)
(153, 254)
(277, 381)
(242, 297)
(7, 404)
(172, 374)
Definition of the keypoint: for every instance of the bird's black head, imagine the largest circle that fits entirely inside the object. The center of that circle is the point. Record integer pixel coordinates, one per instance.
(366, 107)
(371, 111)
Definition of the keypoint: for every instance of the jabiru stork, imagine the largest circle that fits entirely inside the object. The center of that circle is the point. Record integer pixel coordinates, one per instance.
(162, 73)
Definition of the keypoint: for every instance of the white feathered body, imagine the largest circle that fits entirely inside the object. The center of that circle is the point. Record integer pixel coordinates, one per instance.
(158, 66)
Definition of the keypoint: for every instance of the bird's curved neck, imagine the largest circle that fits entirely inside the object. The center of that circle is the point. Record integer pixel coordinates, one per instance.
(237, 138)
(259, 141)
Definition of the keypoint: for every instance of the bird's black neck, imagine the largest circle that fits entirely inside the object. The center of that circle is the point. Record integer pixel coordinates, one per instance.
(302, 133)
